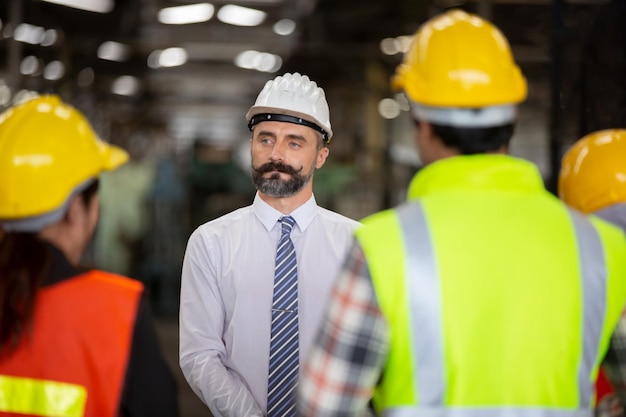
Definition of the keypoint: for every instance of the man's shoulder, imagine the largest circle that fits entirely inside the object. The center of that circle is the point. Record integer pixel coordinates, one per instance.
(335, 218)
(225, 222)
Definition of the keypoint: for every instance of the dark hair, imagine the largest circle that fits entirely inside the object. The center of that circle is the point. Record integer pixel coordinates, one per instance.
(472, 140)
(24, 262)
(89, 192)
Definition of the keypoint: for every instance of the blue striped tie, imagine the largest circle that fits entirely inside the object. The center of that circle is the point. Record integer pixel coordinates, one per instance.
(283, 369)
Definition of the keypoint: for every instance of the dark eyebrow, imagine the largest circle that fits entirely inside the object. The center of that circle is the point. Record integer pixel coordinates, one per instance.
(297, 137)
(290, 136)
(266, 133)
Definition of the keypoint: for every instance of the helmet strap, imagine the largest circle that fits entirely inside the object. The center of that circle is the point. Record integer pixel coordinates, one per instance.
(269, 117)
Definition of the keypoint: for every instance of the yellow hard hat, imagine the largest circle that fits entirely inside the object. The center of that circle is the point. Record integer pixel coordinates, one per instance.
(47, 150)
(593, 171)
(460, 60)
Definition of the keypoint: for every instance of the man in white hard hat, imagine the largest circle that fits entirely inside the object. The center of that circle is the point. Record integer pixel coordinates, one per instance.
(249, 307)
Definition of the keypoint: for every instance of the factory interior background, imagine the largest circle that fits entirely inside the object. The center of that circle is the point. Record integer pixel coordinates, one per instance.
(173, 89)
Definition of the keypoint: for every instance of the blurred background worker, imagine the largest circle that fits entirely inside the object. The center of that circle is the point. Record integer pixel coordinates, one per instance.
(593, 180)
(73, 342)
(484, 295)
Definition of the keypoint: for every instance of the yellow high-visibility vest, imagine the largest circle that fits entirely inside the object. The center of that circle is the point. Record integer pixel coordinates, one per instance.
(500, 299)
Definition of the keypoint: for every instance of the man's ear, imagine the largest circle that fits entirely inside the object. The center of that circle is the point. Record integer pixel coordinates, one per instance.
(321, 157)
(74, 210)
(425, 131)
(425, 141)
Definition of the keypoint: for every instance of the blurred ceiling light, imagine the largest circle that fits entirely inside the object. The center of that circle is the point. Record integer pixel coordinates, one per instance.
(126, 85)
(403, 43)
(398, 45)
(153, 58)
(5, 94)
(54, 70)
(27, 33)
(170, 57)
(29, 65)
(85, 77)
(98, 6)
(173, 57)
(260, 2)
(388, 108)
(240, 16)
(113, 51)
(24, 95)
(402, 101)
(388, 46)
(182, 15)
(284, 27)
(260, 61)
(49, 37)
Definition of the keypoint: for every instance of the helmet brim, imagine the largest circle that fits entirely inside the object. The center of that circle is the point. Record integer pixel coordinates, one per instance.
(254, 110)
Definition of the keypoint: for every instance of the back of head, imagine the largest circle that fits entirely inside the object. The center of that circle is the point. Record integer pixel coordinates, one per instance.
(48, 152)
(460, 73)
(593, 171)
(292, 98)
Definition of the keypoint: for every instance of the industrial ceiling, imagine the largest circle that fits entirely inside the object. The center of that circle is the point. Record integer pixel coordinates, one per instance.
(333, 42)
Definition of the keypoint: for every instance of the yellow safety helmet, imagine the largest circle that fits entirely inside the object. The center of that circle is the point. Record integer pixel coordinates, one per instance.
(48, 150)
(593, 171)
(460, 60)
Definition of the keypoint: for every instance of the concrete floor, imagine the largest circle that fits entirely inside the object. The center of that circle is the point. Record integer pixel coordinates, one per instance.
(189, 404)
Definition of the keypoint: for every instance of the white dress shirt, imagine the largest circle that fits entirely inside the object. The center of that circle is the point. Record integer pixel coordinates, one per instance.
(226, 298)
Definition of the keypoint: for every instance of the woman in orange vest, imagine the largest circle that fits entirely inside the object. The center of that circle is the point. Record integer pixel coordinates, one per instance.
(73, 342)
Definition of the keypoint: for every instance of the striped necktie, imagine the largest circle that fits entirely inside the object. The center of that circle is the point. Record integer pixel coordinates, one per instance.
(283, 367)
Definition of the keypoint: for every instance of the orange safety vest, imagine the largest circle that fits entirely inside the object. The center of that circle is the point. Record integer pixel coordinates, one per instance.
(74, 362)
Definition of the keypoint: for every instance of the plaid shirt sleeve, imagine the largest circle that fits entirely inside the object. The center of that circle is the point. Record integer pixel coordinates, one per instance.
(614, 364)
(350, 349)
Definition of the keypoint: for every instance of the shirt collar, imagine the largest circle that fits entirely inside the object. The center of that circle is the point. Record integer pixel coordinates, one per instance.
(477, 172)
(269, 216)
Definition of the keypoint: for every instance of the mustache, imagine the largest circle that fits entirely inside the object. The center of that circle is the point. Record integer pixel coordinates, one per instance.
(277, 166)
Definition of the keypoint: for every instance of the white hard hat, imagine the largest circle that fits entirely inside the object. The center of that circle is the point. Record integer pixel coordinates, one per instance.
(292, 98)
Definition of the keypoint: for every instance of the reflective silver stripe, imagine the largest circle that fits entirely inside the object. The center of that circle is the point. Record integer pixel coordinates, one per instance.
(425, 299)
(484, 412)
(593, 270)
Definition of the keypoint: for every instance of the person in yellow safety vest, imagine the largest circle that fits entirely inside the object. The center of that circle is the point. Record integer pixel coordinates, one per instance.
(73, 342)
(592, 179)
(484, 294)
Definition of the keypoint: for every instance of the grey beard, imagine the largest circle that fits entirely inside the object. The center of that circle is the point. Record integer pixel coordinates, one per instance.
(275, 187)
